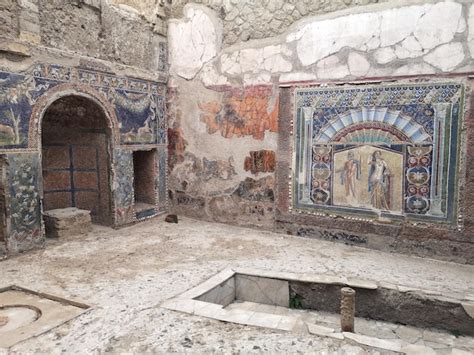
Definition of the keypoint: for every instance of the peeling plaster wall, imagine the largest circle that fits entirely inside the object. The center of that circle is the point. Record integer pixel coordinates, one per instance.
(244, 20)
(222, 99)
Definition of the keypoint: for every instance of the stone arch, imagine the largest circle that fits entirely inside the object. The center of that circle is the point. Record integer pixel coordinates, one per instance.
(63, 90)
(98, 100)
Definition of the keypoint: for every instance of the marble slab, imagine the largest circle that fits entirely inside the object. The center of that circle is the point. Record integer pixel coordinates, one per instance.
(262, 290)
(209, 284)
(50, 311)
(223, 294)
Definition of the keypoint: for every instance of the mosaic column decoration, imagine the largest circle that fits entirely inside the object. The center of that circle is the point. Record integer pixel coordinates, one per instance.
(304, 180)
(441, 113)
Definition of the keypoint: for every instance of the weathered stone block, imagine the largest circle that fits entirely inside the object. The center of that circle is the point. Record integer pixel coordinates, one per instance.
(28, 5)
(30, 37)
(66, 222)
(28, 26)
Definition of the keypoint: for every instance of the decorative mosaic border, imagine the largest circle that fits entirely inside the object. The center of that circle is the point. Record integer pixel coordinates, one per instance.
(95, 78)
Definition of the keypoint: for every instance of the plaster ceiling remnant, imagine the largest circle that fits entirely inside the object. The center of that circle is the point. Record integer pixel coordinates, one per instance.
(252, 60)
(296, 76)
(397, 24)
(210, 76)
(384, 55)
(331, 68)
(414, 68)
(409, 48)
(414, 29)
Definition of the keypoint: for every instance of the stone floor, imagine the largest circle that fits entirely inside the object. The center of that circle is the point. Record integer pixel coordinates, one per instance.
(436, 340)
(126, 274)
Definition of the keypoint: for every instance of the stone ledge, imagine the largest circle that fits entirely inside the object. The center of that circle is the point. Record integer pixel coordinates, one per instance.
(15, 48)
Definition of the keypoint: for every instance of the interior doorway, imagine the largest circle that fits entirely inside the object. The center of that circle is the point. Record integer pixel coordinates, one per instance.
(76, 157)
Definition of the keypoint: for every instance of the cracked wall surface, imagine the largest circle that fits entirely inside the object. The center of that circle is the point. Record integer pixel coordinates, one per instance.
(248, 19)
(389, 41)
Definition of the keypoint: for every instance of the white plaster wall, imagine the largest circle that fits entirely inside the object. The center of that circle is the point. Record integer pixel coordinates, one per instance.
(395, 38)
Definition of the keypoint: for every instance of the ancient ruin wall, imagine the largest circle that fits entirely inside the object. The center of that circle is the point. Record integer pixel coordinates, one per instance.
(244, 20)
(225, 101)
(9, 18)
(115, 32)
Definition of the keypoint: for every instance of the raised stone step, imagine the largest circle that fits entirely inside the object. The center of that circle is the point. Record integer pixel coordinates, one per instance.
(67, 221)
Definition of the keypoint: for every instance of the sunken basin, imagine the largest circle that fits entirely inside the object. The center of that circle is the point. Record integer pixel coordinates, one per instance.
(310, 302)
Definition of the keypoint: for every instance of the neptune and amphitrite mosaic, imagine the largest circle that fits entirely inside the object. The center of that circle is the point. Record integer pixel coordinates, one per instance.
(378, 151)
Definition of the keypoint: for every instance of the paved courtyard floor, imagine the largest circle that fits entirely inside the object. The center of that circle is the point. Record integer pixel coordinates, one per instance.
(126, 274)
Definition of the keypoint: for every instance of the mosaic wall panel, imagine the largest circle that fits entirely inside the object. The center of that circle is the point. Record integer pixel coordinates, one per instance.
(139, 105)
(379, 151)
(123, 186)
(24, 186)
(161, 179)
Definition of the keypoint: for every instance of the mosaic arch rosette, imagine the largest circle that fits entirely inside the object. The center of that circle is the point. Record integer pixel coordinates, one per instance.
(378, 150)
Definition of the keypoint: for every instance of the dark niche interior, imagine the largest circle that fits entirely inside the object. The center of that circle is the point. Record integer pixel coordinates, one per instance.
(75, 157)
(144, 172)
